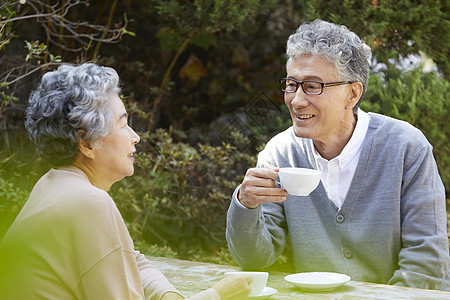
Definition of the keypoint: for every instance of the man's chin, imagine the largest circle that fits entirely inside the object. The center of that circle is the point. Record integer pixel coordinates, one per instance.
(300, 133)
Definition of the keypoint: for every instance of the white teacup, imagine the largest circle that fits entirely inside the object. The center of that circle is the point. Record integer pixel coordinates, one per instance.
(259, 280)
(299, 181)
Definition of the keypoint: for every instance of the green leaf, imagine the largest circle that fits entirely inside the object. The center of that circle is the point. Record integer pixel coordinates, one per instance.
(205, 40)
(168, 39)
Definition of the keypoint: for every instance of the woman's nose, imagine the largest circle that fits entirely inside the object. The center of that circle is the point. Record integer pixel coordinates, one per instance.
(135, 138)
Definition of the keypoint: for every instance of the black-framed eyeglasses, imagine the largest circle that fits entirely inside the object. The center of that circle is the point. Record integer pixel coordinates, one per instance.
(310, 87)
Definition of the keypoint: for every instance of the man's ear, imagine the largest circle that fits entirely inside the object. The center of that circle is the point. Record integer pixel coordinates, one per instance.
(355, 92)
(83, 145)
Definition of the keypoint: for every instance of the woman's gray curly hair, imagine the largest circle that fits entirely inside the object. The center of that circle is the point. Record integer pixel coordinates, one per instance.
(68, 101)
(340, 46)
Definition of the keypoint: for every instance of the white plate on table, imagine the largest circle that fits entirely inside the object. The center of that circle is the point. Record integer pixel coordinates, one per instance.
(266, 292)
(317, 281)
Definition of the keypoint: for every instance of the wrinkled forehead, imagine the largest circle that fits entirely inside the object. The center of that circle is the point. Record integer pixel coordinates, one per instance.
(311, 67)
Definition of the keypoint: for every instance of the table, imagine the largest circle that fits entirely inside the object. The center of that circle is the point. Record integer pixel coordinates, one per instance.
(191, 277)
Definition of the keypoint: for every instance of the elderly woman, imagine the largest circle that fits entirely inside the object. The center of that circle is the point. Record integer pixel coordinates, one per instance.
(378, 214)
(71, 241)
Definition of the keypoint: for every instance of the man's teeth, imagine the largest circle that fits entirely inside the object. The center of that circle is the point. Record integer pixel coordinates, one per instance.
(304, 116)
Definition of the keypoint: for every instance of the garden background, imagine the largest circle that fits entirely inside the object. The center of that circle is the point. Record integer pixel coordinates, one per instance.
(200, 83)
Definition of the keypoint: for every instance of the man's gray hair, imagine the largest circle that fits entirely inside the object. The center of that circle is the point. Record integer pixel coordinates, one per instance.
(337, 44)
(70, 100)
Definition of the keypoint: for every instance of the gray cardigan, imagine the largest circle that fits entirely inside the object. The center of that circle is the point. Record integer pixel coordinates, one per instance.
(392, 227)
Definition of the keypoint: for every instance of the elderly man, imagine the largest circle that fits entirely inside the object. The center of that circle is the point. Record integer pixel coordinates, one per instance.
(378, 214)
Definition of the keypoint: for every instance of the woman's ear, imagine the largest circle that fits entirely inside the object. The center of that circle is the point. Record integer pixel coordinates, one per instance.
(355, 92)
(83, 145)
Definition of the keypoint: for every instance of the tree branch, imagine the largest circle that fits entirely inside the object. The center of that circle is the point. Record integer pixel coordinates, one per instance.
(166, 78)
(31, 72)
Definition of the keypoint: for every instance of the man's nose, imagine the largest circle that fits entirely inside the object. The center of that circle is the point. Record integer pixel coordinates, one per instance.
(300, 98)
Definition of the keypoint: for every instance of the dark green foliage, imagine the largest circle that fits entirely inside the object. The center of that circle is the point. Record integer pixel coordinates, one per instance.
(12, 200)
(209, 16)
(179, 194)
(393, 29)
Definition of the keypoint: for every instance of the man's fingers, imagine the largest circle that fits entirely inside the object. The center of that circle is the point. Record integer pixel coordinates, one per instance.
(262, 173)
(252, 181)
(252, 196)
(259, 186)
(264, 191)
(271, 167)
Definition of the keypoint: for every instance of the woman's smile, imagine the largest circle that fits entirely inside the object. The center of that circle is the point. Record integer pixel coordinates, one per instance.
(131, 156)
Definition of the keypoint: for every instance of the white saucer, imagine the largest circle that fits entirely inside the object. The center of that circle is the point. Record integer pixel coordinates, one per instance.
(317, 281)
(266, 292)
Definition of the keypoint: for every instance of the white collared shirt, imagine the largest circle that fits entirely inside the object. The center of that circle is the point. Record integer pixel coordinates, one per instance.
(337, 173)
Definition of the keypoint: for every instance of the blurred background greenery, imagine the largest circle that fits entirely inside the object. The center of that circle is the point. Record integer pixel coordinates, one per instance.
(200, 82)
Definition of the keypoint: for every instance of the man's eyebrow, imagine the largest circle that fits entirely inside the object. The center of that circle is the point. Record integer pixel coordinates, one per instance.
(308, 77)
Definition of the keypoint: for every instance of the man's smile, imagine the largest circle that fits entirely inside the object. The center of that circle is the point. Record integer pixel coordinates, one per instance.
(303, 116)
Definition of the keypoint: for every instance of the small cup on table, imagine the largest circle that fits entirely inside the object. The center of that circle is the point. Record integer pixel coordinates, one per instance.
(259, 280)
